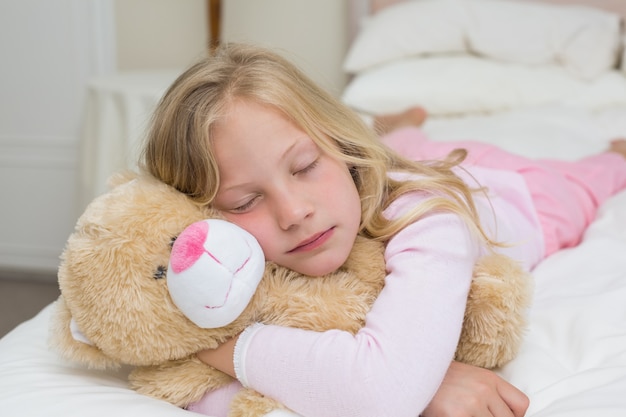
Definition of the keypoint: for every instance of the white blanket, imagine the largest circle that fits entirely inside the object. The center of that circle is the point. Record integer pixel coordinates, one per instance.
(573, 361)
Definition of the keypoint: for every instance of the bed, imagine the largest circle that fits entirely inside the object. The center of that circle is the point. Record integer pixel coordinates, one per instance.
(548, 83)
(543, 79)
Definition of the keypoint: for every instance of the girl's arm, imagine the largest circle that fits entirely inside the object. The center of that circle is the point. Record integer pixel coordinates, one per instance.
(396, 362)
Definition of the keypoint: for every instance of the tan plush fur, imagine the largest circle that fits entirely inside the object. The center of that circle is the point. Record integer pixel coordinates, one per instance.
(113, 286)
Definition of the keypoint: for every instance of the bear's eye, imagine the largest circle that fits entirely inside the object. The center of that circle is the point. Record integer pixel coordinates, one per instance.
(172, 241)
(160, 273)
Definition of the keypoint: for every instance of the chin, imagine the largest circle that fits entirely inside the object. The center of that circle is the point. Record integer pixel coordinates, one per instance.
(322, 267)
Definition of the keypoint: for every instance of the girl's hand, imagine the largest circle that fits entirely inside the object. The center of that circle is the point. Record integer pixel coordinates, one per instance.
(220, 358)
(469, 391)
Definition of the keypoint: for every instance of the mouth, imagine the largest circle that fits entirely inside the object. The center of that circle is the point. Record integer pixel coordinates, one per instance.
(313, 242)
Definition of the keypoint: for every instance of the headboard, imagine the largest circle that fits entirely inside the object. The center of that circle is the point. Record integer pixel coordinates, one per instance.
(616, 6)
(358, 9)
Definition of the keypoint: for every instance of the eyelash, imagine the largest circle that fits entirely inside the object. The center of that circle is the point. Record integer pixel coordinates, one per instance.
(309, 167)
(249, 203)
(245, 206)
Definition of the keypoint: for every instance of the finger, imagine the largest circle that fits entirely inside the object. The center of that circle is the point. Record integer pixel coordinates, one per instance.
(514, 399)
(500, 409)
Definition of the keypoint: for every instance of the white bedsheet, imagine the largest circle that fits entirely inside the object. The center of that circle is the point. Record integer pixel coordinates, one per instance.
(547, 131)
(573, 360)
(35, 383)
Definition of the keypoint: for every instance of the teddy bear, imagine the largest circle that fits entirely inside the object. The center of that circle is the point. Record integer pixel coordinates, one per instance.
(124, 300)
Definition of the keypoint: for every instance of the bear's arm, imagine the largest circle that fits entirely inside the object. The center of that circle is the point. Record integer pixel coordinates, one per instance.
(178, 382)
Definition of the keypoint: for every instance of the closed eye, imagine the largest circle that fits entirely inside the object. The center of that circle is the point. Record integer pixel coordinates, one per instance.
(247, 205)
(309, 167)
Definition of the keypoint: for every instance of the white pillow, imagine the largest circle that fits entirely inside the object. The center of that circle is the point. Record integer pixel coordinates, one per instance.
(584, 40)
(465, 84)
(407, 29)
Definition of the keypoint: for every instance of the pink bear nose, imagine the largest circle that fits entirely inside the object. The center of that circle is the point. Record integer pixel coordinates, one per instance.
(189, 246)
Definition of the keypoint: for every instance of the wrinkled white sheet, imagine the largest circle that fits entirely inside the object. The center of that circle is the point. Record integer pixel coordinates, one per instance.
(573, 361)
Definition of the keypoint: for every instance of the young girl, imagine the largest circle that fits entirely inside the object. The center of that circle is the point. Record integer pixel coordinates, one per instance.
(248, 133)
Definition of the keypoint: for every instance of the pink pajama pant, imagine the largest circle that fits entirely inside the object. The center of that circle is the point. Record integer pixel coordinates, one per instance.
(566, 194)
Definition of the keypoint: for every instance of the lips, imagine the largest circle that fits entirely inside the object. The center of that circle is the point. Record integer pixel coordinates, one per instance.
(313, 242)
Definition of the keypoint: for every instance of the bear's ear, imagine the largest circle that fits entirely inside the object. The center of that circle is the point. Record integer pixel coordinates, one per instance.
(69, 343)
(121, 177)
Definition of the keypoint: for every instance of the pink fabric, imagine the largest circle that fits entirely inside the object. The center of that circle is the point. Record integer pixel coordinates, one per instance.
(189, 246)
(395, 363)
(216, 403)
(566, 194)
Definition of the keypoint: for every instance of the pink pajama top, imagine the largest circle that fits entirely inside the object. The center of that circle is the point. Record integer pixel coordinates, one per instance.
(394, 365)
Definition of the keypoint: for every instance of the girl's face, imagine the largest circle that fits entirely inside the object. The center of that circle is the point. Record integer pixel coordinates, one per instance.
(299, 202)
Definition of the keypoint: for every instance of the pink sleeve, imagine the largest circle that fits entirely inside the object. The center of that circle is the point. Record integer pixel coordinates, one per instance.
(216, 403)
(393, 365)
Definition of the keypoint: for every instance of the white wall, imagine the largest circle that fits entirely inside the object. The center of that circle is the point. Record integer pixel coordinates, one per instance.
(51, 48)
(160, 33)
(313, 33)
(173, 33)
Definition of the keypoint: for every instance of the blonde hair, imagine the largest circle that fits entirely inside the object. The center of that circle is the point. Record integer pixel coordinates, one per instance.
(178, 146)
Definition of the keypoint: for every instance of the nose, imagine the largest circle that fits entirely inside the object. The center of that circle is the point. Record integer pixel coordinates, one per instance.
(293, 207)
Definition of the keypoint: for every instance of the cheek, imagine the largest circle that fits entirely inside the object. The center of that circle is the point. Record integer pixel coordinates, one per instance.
(257, 227)
(345, 191)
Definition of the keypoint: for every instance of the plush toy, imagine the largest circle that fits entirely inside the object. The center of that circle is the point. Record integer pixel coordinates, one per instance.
(134, 294)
